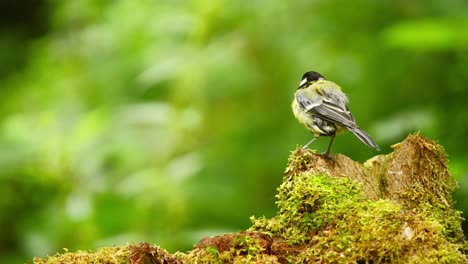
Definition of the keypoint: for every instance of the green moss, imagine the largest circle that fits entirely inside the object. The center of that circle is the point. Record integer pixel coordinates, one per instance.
(423, 204)
(244, 249)
(141, 253)
(430, 196)
(199, 256)
(333, 222)
(110, 255)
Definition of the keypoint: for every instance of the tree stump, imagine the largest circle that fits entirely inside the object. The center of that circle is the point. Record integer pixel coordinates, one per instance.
(394, 208)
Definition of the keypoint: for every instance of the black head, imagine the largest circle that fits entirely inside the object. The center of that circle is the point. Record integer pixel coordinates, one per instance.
(310, 76)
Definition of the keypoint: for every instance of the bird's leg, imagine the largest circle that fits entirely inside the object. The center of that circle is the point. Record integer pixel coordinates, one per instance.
(310, 142)
(329, 146)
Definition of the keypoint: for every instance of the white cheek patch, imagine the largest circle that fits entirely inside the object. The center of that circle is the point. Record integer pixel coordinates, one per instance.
(302, 82)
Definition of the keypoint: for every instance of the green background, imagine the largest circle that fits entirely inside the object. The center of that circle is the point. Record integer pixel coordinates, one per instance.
(167, 121)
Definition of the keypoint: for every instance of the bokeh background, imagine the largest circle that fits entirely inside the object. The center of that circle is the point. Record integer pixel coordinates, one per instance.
(167, 121)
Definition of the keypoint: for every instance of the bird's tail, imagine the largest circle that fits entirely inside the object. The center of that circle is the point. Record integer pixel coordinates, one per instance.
(364, 137)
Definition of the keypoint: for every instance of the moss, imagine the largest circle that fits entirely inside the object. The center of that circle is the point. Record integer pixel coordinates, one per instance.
(202, 256)
(333, 221)
(430, 195)
(242, 249)
(136, 253)
(450, 219)
(396, 208)
(104, 255)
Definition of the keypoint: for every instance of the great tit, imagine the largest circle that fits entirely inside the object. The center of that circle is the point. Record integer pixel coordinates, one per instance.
(322, 107)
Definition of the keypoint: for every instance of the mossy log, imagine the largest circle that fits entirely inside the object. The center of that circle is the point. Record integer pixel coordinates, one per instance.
(394, 208)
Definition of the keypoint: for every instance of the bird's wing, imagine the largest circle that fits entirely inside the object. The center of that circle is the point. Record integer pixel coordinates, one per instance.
(307, 102)
(325, 108)
(330, 111)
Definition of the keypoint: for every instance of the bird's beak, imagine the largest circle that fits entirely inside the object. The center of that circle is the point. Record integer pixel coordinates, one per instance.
(302, 82)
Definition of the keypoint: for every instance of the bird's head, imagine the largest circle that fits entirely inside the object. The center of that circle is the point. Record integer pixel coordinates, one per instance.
(310, 77)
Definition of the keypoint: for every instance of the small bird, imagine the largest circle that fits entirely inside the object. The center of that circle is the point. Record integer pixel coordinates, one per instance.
(322, 107)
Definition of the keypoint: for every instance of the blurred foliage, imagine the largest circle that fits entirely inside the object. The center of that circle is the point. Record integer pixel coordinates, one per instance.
(166, 121)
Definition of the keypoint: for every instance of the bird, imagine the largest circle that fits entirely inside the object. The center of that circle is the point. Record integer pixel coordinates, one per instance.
(322, 107)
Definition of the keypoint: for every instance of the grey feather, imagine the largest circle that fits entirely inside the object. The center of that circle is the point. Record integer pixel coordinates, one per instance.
(364, 137)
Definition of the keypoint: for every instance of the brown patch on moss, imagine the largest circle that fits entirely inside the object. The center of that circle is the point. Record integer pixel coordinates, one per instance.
(284, 250)
(226, 242)
(144, 253)
(243, 247)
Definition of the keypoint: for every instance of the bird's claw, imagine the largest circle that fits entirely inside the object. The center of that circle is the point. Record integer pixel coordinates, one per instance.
(328, 156)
